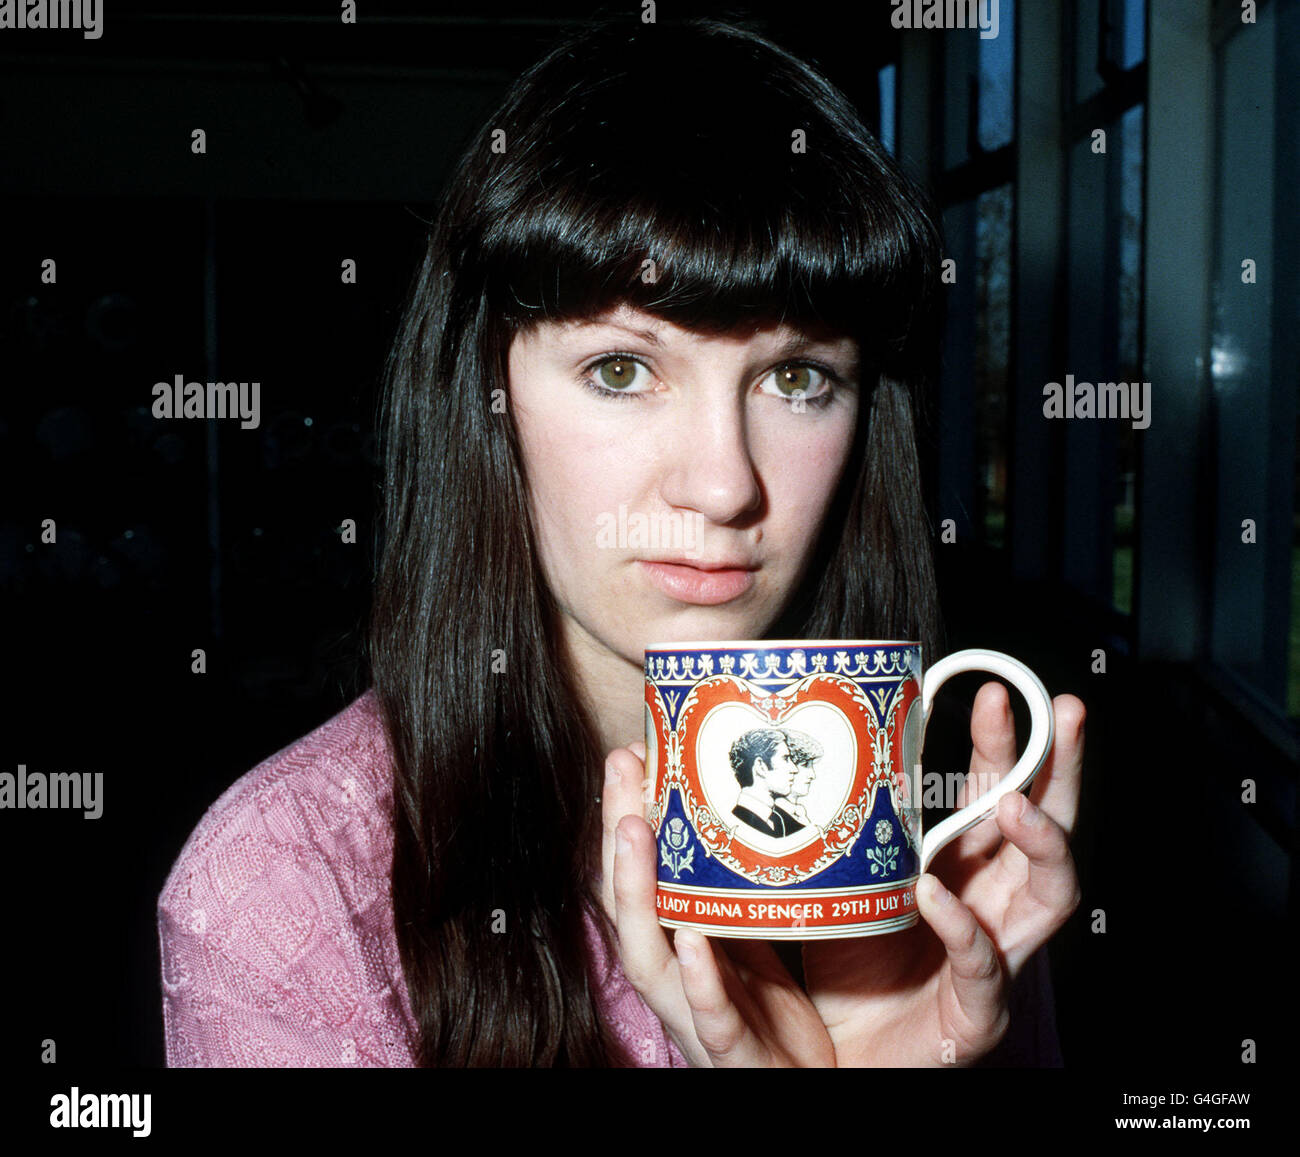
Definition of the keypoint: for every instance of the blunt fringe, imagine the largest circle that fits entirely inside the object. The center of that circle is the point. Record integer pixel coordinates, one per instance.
(699, 172)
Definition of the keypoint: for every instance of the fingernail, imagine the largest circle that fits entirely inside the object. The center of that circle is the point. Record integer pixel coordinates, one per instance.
(621, 842)
(1029, 814)
(612, 775)
(938, 893)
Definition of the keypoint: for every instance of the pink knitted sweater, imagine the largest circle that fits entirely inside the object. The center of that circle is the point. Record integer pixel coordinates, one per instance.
(276, 927)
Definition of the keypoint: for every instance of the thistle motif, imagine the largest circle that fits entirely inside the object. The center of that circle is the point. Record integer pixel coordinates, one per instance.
(673, 852)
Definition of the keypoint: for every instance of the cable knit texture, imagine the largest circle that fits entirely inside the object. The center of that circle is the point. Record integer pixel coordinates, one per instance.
(276, 927)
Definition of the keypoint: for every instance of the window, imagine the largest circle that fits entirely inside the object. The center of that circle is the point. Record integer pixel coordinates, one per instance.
(1255, 355)
(1104, 291)
(978, 125)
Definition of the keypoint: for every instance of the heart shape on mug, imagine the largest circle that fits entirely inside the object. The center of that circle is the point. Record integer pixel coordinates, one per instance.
(779, 784)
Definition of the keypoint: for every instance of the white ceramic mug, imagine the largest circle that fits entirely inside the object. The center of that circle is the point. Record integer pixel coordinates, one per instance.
(786, 774)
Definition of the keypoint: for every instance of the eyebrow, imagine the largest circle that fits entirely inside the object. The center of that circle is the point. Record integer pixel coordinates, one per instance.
(647, 335)
(797, 343)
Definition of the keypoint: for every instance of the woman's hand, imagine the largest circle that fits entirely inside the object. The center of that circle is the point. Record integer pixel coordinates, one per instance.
(937, 993)
(731, 1004)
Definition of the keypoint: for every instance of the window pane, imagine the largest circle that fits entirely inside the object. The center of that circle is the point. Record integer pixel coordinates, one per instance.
(887, 81)
(1133, 34)
(997, 81)
(961, 66)
(978, 89)
(1253, 360)
(1130, 361)
(1104, 357)
(992, 355)
(1087, 16)
(1124, 45)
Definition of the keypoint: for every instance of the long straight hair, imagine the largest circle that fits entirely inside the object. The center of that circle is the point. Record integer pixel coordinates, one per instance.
(703, 174)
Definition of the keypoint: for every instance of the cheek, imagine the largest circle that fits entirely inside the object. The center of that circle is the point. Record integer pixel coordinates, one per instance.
(572, 481)
(803, 467)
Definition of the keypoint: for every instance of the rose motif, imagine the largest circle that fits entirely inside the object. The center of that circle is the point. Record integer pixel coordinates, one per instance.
(883, 859)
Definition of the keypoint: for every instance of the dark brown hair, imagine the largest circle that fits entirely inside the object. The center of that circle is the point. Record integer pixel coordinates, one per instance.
(752, 185)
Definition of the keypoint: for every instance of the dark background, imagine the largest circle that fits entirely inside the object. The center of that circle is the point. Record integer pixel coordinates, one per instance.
(328, 142)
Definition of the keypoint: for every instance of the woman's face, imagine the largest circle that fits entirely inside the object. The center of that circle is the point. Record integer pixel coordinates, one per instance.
(678, 494)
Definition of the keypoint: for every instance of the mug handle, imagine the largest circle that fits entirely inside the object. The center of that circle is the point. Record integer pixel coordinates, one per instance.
(1042, 729)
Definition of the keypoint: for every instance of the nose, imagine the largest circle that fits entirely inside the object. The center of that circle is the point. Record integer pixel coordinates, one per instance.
(708, 467)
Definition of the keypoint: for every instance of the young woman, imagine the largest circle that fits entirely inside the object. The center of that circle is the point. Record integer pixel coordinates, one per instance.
(673, 274)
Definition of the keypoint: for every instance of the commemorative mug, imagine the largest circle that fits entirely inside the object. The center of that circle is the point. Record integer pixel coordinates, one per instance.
(787, 781)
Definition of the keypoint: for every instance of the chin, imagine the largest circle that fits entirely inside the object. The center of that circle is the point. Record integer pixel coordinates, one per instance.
(706, 626)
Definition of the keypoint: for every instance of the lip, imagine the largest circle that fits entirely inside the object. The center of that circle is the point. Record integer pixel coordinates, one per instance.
(698, 582)
(700, 564)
